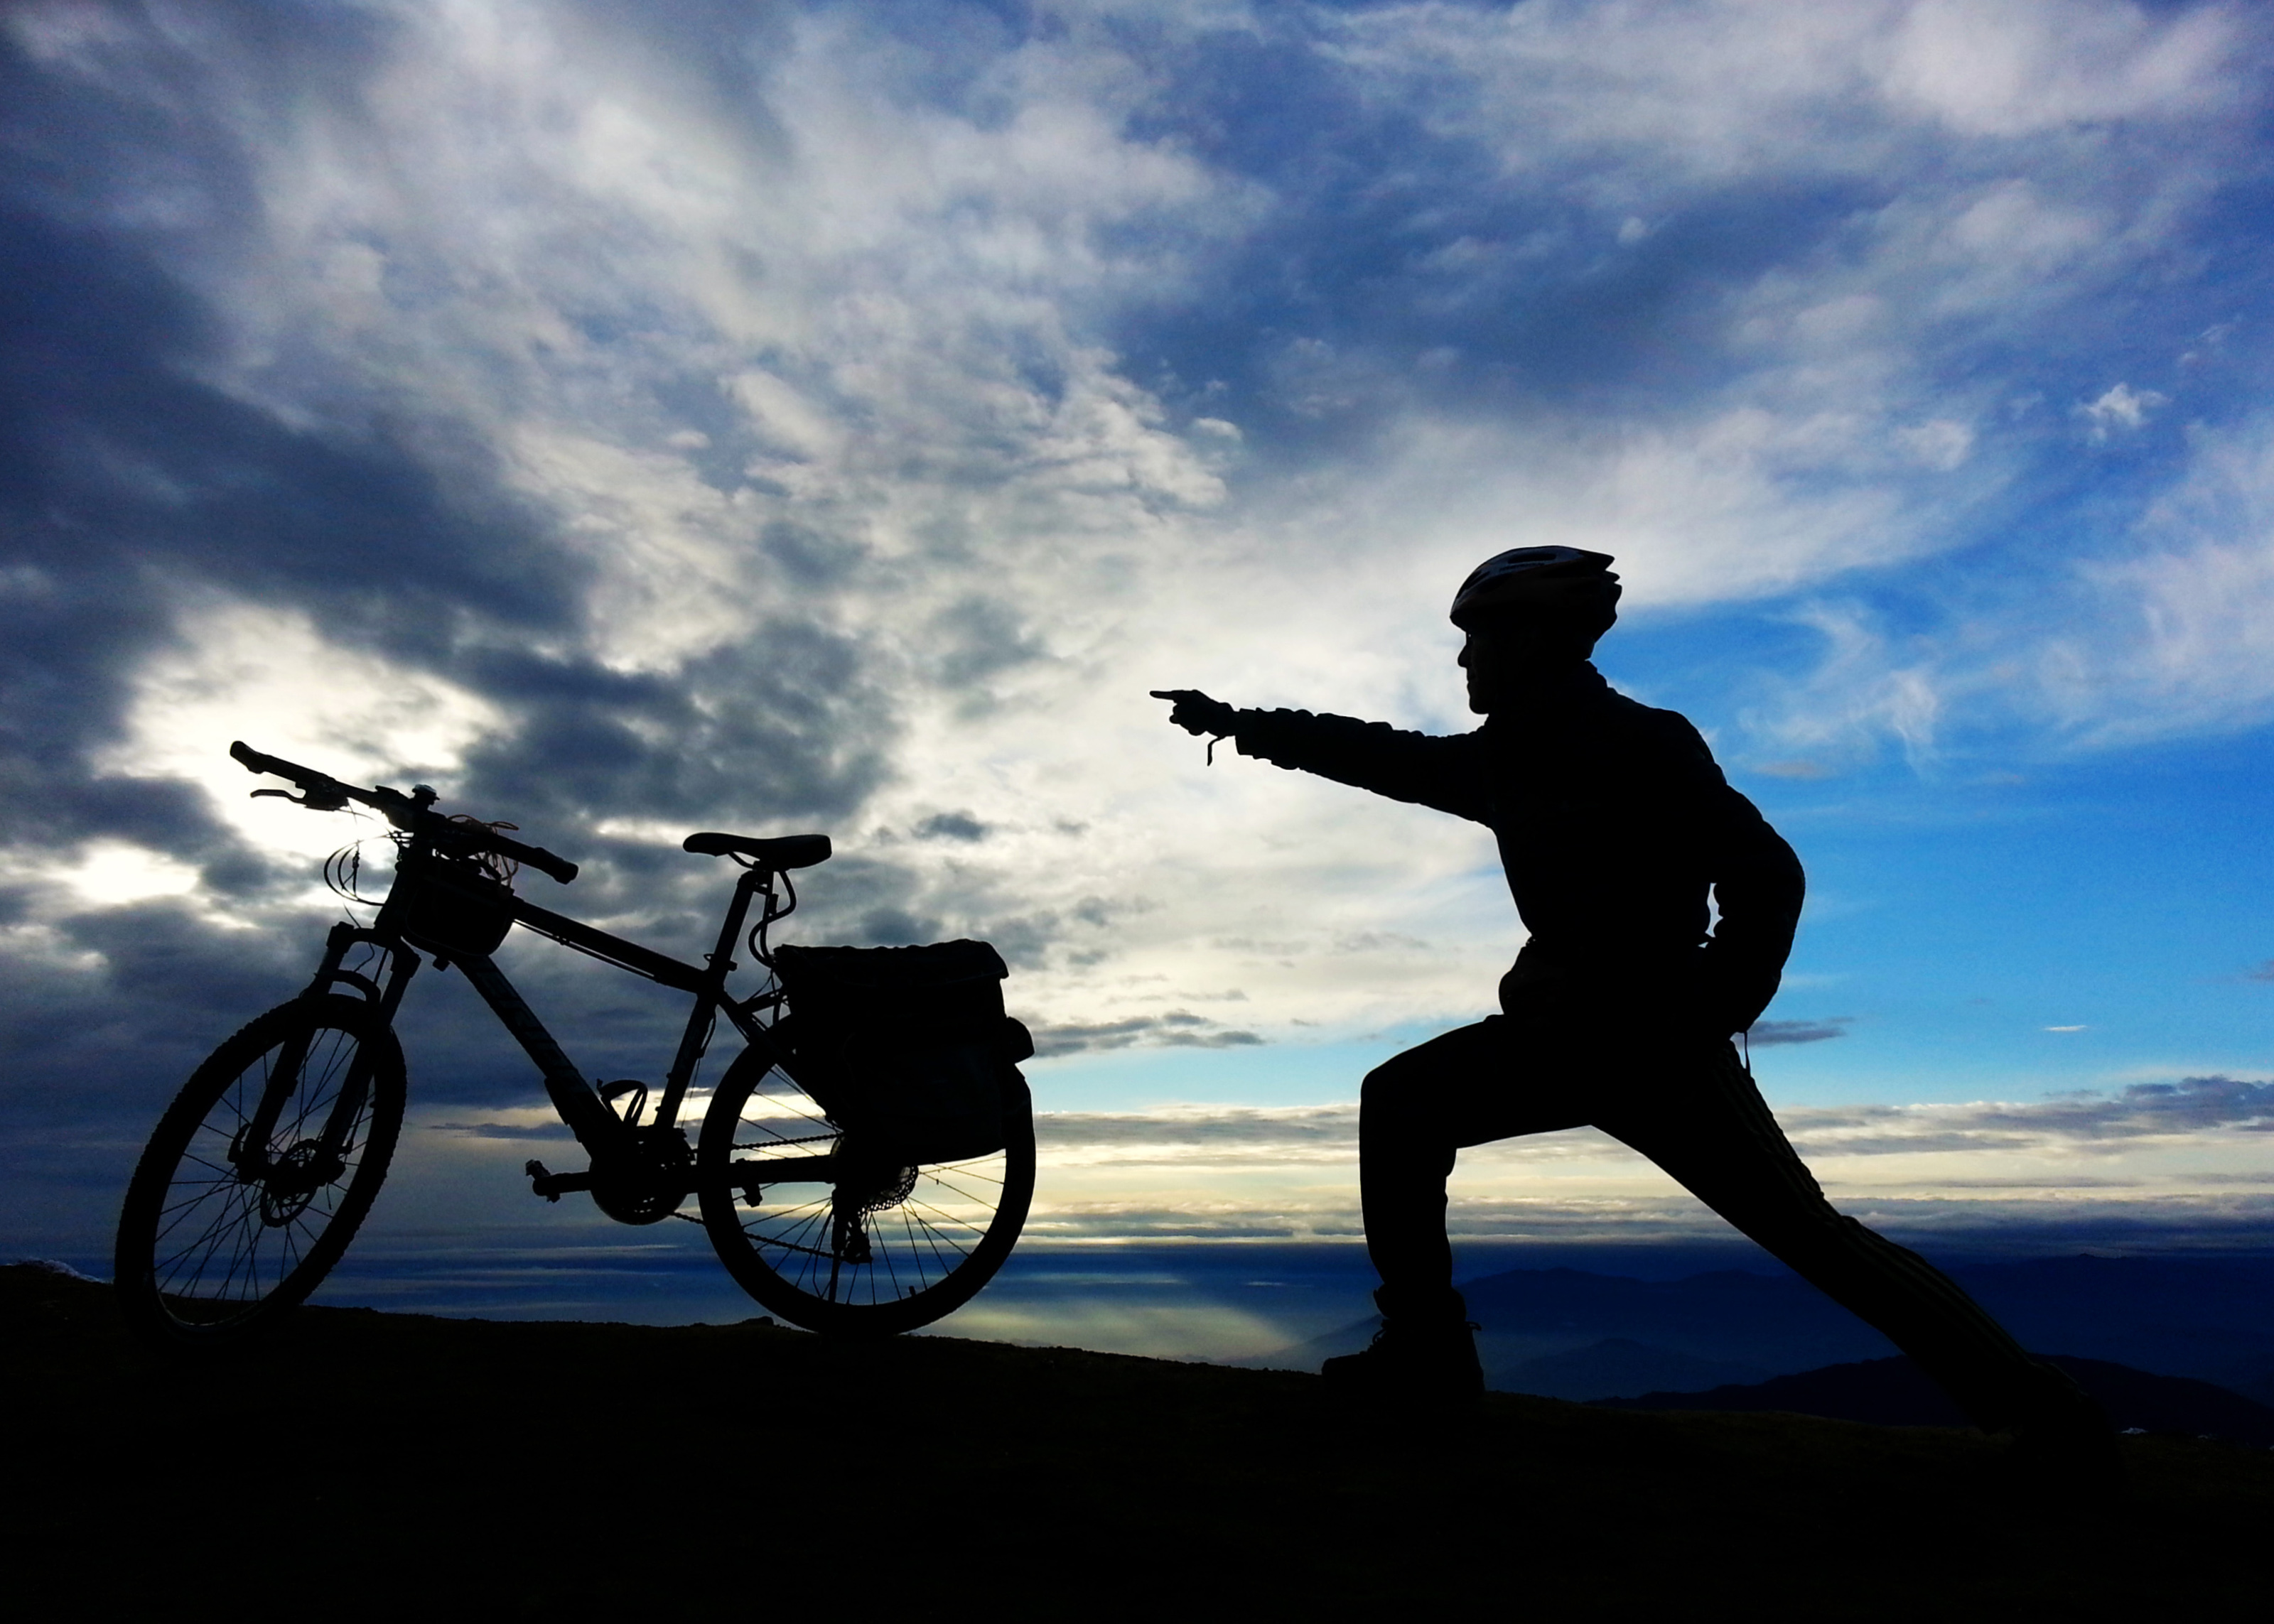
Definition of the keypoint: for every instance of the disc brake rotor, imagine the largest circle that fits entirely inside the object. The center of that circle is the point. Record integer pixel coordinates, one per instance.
(291, 1182)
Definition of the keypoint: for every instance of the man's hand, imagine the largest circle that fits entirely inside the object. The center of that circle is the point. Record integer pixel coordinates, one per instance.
(1196, 713)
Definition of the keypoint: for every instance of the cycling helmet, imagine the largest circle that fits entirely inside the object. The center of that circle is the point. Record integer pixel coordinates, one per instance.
(1560, 586)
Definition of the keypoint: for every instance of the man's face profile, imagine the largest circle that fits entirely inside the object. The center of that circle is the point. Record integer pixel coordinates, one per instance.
(1491, 659)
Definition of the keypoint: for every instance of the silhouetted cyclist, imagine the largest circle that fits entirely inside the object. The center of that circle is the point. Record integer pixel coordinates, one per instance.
(1613, 824)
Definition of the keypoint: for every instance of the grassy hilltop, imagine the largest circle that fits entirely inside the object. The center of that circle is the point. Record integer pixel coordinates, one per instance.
(363, 1464)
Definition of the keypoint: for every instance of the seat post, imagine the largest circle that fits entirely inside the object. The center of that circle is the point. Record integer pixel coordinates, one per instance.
(719, 964)
(755, 879)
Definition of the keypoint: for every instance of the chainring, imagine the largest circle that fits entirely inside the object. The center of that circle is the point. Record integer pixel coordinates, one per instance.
(649, 1182)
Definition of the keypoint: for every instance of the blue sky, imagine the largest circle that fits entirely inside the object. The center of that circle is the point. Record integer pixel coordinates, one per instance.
(839, 417)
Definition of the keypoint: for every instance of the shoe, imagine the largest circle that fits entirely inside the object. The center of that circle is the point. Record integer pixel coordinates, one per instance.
(1428, 1360)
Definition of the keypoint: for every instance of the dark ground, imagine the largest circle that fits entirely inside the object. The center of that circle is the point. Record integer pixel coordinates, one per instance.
(368, 1465)
(1896, 1393)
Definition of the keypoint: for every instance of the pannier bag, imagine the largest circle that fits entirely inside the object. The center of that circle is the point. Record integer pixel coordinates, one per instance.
(907, 1049)
(454, 906)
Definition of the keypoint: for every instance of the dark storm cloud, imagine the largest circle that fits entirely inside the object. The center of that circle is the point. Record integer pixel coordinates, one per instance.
(1768, 1034)
(124, 481)
(785, 726)
(95, 1054)
(1330, 1127)
(2194, 1105)
(545, 1131)
(951, 826)
(1456, 279)
(980, 638)
(1177, 1029)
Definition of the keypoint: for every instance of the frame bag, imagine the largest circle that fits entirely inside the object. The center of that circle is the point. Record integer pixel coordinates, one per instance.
(452, 905)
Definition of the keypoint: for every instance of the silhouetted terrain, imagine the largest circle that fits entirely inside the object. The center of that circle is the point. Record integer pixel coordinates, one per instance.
(373, 1465)
(1895, 1392)
(1570, 1334)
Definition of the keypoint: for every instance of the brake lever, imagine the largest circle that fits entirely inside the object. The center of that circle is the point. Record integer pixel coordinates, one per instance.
(315, 800)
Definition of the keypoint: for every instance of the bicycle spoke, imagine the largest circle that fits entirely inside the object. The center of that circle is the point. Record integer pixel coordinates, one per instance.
(975, 1200)
(915, 1252)
(230, 1213)
(948, 1217)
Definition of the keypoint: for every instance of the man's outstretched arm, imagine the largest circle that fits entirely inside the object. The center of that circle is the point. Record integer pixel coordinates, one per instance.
(1421, 768)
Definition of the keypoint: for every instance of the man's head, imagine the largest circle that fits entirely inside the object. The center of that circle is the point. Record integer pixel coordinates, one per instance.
(1530, 610)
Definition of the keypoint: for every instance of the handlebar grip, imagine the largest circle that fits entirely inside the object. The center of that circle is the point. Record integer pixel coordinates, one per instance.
(255, 762)
(535, 857)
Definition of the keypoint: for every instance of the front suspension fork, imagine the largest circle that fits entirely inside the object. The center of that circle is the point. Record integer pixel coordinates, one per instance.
(249, 1150)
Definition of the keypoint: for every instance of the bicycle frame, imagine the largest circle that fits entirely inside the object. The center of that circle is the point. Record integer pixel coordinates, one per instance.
(614, 1142)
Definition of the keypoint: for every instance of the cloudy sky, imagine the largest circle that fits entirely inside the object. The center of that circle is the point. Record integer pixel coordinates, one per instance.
(837, 417)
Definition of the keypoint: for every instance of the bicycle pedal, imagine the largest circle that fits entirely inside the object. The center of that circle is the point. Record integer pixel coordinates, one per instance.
(551, 1185)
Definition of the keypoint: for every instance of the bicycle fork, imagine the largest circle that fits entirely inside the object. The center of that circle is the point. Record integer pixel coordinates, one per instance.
(308, 1165)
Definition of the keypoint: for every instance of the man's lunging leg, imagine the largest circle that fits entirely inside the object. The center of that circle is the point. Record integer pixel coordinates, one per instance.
(1415, 1111)
(1704, 1121)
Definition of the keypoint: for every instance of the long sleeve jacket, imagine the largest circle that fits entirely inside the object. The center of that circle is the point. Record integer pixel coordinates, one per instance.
(1613, 824)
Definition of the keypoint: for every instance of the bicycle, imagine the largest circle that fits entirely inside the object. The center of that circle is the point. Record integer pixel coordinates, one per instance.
(913, 1119)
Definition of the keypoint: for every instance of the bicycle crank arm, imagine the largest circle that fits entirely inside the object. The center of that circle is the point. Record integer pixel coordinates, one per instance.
(629, 1194)
(552, 1185)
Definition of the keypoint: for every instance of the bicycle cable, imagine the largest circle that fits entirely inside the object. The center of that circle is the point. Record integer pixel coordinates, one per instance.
(767, 916)
(343, 868)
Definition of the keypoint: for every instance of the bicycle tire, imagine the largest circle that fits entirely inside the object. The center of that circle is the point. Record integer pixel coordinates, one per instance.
(939, 1241)
(205, 1255)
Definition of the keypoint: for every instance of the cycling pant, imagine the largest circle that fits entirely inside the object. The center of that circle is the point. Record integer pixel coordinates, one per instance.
(1693, 1110)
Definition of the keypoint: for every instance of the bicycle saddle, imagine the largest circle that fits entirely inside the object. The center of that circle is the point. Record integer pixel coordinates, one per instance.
(782, 851)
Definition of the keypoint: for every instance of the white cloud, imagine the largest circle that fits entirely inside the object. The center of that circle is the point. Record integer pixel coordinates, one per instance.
(266, 676)
(109, 872)
(2122, 409)
(2011, 68)
(1730, 86)
(2178, 637)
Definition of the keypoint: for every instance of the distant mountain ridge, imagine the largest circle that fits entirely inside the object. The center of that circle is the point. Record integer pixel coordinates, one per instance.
(1574, 1334)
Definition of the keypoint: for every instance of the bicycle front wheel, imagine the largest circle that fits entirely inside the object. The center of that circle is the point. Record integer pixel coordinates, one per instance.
(839, 1246)
(220, 1234)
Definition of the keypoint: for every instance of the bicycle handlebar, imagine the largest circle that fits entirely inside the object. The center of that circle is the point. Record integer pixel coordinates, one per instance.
(255, 762)
(531, 857)
(323, 793)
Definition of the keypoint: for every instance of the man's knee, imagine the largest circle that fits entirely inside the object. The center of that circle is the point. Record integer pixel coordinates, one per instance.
(1391, 1100)
(1398, 1129)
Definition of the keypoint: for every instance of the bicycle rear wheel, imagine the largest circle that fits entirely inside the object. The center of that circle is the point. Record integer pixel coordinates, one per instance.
(878, 1249)
(218, 1236)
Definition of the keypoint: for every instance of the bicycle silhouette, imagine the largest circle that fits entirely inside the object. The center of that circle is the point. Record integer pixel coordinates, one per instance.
(864, 1164)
